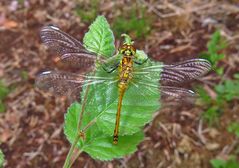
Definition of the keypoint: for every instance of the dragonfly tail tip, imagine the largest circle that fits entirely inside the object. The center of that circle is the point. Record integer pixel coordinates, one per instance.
(115, 139)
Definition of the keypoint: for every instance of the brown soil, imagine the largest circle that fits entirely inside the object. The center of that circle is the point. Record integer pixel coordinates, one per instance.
(31, 133)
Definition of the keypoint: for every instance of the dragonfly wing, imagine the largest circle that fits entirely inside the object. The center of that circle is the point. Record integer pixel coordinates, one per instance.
(66, 84)
(184, 71)
(69, 49)
(180, 72)
(169, 92)
(169, 76)
(176, 92)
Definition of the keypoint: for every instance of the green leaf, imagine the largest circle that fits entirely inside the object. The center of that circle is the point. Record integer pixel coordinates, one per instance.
(101, 147)
(214, 46)
(236, 76)
(1, 159)
(219, 70)
(71, 121)
(140, 56)
(217, 163)
(100, 39)
(230, 163)
(216, 43)
(203, 95)
(97, 144)
(228, 90)
(211, 115)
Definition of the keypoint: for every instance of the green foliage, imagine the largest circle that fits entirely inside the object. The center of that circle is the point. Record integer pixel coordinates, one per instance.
(4, 90)
(140, 56)
(101, 104)
(1, 159)
(134, 22)
(88, 11)
(234, 128)
(211, 115)
(227, 91)
(97, 144)
(230, 163)
(100, 38)
(214, 46)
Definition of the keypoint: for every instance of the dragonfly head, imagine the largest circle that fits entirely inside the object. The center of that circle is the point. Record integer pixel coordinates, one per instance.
(127, 47)
(127, 50)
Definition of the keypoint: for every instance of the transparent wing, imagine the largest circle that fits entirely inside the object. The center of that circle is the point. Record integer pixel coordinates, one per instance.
(69, 49)
(169, 92)
(180, 72)
(172, 75)
(67, 84)
(185, 71)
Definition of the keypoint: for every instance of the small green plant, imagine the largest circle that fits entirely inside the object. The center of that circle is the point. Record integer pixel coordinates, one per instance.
(230, 163)
(227, 91)
(234, 128)
(4, 90)
(136, 23)
(1, 159)
(214, 47)
(88, 11)
(212, 114)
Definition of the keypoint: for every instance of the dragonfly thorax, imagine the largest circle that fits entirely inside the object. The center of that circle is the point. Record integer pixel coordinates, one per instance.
(127, 50)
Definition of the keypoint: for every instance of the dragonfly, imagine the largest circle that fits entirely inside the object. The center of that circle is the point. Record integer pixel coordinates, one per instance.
(126, 65)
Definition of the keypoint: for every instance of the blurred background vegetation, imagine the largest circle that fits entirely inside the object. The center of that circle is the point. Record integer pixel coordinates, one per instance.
(201, 136)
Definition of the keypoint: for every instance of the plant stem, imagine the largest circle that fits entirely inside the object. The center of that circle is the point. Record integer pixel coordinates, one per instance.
(83, 108)
(74, 159)
(68, 158)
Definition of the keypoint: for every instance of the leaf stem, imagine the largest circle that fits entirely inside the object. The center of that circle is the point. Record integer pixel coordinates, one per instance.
(89, 124)
(73, 146)
(74, 159)
(83, 105)
(83, 108)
